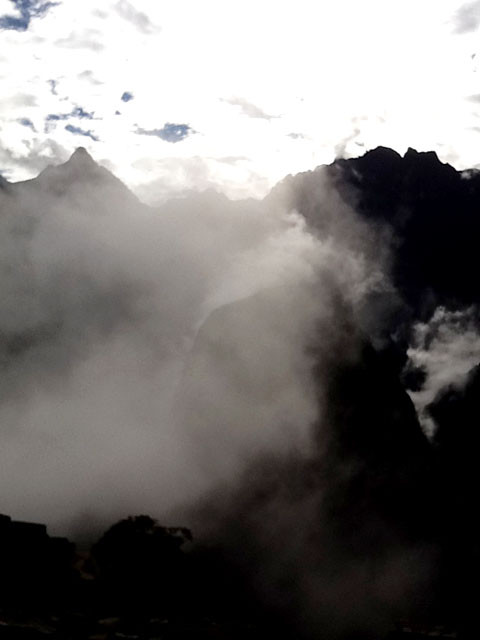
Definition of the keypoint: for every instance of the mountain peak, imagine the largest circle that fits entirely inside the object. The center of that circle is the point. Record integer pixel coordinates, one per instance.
(80, 171)
(81, 155)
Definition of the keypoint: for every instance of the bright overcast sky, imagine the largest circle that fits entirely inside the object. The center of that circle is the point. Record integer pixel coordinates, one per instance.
(234, 94)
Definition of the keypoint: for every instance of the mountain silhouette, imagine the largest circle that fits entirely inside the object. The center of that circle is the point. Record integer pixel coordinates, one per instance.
(429, 209)
(81, 180)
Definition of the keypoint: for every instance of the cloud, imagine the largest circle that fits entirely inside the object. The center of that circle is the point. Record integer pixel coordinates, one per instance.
(229, 129)
(467, 18)
(445, 348)
(89, 76)
(77, 112)
(26, 11)
(137, 18)
(35, 157)
(86, 39)
(170, 132)
(26, 122)
(249, 109)
(126, 96)
(54, 117)
(175, 177)
(53, 87)
(81, 132)
(232, 159)
(19, 100)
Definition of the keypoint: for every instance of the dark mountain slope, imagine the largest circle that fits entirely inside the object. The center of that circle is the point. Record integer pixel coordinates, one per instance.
(431, 211)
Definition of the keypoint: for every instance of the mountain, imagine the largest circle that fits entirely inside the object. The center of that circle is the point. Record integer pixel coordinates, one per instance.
(376, 488)
(323, 491)
(429, 210)
(79, 182)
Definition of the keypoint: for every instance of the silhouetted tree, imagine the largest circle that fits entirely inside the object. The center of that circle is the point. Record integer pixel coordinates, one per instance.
(140, 565)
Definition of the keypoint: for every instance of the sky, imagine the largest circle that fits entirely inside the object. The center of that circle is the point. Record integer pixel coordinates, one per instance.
(180, 94)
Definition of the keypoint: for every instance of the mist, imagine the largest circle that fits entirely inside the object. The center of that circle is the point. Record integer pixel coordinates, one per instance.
(107, 303)
(241, 368)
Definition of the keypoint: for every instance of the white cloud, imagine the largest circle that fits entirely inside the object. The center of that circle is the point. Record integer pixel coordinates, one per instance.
(7, 7)
(138, 19)
(467, 17)
(249, 109)
(446, 348)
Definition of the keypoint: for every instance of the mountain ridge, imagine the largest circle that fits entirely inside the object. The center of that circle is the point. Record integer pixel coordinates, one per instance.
(69, 179)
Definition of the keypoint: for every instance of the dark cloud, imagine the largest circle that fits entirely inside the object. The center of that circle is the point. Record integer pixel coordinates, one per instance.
(54, 117)
(81, 132)
(249, 109)
(137, 18)
(77, 112)
(26, 122)
(170, 132)
(53, 87)
(28, 9)
(126, 96)
(467, 18)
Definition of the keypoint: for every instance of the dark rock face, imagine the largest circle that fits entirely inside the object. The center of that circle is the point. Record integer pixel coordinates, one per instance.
(376, 432)
(429, 209)
(456, 412)
(433, 211)
(303, 532)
